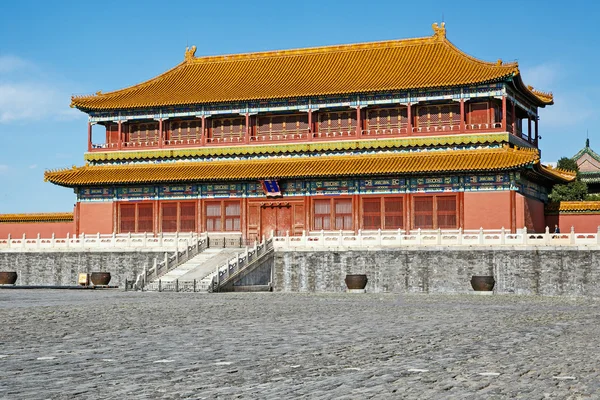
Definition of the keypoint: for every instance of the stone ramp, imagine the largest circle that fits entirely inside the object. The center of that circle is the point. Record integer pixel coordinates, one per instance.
(201, 266)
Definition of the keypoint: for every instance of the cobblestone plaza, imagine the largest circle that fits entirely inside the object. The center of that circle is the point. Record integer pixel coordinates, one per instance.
(113, 344)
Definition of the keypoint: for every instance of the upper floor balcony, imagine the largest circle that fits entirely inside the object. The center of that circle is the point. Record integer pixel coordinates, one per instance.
(464, 117)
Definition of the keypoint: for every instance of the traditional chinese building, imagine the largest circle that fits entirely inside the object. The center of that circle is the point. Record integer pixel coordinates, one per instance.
(588, 162)
(400, 134)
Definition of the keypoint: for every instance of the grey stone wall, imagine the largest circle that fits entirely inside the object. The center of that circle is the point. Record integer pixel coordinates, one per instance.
(62, 268)
(541, 270)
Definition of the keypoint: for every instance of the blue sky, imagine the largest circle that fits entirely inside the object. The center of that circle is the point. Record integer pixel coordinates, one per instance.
(51, 50)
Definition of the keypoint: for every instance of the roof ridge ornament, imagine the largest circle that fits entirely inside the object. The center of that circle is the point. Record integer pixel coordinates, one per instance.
(439, 32)
(190, 52)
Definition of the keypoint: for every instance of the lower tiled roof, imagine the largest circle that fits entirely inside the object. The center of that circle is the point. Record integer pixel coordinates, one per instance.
(36, 217)
(378, 164)
(574, 207)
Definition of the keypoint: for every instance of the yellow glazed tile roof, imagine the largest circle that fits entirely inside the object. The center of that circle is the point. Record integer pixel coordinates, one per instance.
(36, 217)
(574, 207)
(308, 167)
(290, 148)
(332, 70)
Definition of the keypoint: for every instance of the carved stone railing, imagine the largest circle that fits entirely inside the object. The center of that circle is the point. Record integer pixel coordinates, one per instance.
(242, 262)
(420, 237)
(161, 241)
(171, 261)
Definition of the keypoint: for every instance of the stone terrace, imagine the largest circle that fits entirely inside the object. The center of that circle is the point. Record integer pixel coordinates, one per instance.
(112, 344)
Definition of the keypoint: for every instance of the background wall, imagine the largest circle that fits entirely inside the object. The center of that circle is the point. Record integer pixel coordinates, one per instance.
(518, 270)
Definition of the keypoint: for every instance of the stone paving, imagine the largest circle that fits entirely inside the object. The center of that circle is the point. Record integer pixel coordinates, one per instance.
(127, 345)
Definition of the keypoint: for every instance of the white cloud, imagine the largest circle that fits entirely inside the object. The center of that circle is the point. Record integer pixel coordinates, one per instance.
(10, 63)
(26, 94)
(33, 166)
(542, 76)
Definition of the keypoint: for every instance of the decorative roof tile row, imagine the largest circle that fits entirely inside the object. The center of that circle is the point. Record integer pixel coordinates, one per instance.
(407, 64)
(302, 167)
(36, 217)
(575, 207)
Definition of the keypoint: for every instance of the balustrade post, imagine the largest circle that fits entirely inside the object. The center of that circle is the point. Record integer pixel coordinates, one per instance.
(159, 286)
(502, 236)
(598, 235)
(481, 235)
(419, 239)
(439, 236)
(23, 241)
(525, 239)
(9, 237)
(176, 285)
(167, 261)
(399, 236)
(287, 238)
(68, 240)
(82, 239)
(547, 235)
(145, 239)
(37, 242)
(304, 237)
(572, 235)
(379, 237)
(359, 238)
(322, 238)
(460, 235)
(155, 266)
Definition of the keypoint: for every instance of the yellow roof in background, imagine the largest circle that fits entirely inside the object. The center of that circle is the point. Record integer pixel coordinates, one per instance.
(36, 217)
(332, 70)
(575, 207)
(295, 167)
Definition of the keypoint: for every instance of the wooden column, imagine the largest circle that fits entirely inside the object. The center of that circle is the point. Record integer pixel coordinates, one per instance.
(358, 122)
(160, 133)
(462, 115)
(536, 138)
(504, 127)
(409, 116)
(89, 136)
(310, 125)
(119, 135)
(247, 137)
(203, 136)
(514, 118)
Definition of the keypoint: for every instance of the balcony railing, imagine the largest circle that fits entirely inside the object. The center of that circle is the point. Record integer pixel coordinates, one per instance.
(306, 135)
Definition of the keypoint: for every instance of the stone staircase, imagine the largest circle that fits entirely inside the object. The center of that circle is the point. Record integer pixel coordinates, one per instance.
(196, 273)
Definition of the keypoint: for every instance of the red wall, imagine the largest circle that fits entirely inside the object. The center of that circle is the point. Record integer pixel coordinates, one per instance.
(530, 214)
(31, 229)
(583, 223)
(487, 210)
(95, 218)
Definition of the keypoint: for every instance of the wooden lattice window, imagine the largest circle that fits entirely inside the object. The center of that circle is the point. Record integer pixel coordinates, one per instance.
(223, 216)
(187, 217)
(169, 217)
(282, 124)
(145, 220)
(213, 216)
(144, 132)
(228, 128)
(479, 113)
(423, 212)
(438, 115)
(343, 213)
(127, 218)
(186, 130)
(446, 212)
(322, 214)
(372, 213)
(393, 213)
(341, 121)
(232, 216)
(387, 118)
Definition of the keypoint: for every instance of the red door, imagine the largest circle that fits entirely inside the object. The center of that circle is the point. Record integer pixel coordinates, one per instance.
(275, 218)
